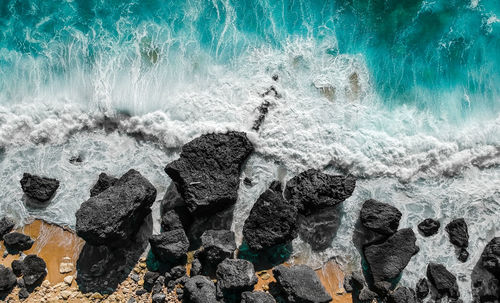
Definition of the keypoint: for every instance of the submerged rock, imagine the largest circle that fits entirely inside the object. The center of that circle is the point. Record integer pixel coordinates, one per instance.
(256, 297)
(380, 217)
(34, 270)
(388, 259)
(459, 235)
(272, 220)
(113, 217)
(170, 246)
(236, 275)
(207, 172)
(104, 182)
(7, 278)
(199, 289)
(6, 226)
(299, 283)
(16, 242)
(443, 280)
(320, 227)
(39, 188)
(312, 189)
(429, 227)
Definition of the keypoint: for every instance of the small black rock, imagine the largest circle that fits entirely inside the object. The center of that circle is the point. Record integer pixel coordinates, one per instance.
(6, 226)
(459, 235)
(140, 292)
(429, 227)
(463, 256)
(23, 293)
(17, 241)
(39, 188)
(177, 272)
(34, 270)
(17, 267)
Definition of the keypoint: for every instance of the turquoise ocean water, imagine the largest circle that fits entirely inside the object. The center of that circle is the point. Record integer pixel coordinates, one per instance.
(403, 94)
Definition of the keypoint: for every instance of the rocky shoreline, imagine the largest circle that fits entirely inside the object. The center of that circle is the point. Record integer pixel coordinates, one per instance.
(115, 257)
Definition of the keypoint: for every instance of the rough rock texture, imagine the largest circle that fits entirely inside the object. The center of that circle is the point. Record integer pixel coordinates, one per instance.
(319, 227)
(171, 221)
(34, 270)
(207, 172)
(170, 246)
(104, 182)
(39, 188)
(200, 289)
(272, 220)
(113, 217)
(17, 242)
(313, 189)
(463, 255)
(380, 217)
(429, 227)
(17, 267)
(217, 246)
(486, 274)
(196, 267)
(236, 275)
(300, 283)
(6, 226)
(366, 295)
(388, 259)
(402, 295)
(491, 257)
(7, 278)
(457, 230)
(256, 297)
(422, 288)
(443, 280)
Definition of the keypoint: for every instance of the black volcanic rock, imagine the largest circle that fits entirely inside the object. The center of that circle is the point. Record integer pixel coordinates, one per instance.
(170, 246)
(422, 288)
(6, 226)
(7, 278)
(16, 242)
(113, 217)
(200, 289)
(256, 297)
(272, 220)
(490, 257)
(299, 283)
(402, 295)
(380, 217)
(443, 280)
(17, 267)
(104, 182)
(312, 189)
(457, 230)
(208, 170)
(463, 255)
(319, 227)
(236, 275)
(429, 227)
(217, 246)
(388, 259)
(34, 270)
(39, 188)
(171, 221)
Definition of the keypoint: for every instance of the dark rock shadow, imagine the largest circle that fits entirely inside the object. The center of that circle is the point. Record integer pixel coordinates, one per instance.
(267, 258)
(34, 203)
(320, 227)
(101, 269)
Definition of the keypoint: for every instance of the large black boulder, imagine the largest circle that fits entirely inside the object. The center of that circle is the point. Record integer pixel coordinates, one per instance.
(272, 220)
(113, 217)
(457, 230)
(300, 284)
(6, 226)
(7, 278)
(380, 217)
(402, 295)
(388, 259)
(39, 188)
(104, 182)
(217, 245)
(256, 297)
(429, 227)
(208, 170)
(16, 242)
(443, 281)
(200, 289)
(170, 246)
(235, 275)
(34, 270)
(312, 189)
(490, 257)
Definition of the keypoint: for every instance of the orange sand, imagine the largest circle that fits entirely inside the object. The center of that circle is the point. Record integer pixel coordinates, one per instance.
(52, 244)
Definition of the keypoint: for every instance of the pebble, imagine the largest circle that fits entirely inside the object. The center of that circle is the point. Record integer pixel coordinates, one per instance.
(65, 294)
(65, 268)
(68, 280)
